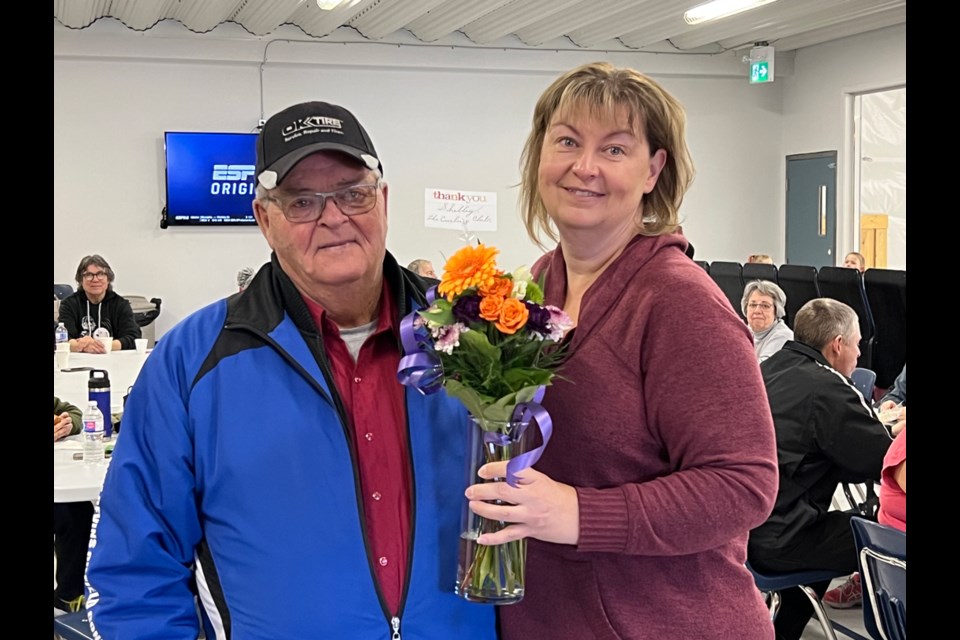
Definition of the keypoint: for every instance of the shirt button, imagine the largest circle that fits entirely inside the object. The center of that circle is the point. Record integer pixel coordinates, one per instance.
(376, 495)
(383, 561)
(368, 436)
(358, 379)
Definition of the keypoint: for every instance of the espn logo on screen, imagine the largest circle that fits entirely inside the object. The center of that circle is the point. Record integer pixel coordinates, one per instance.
(232, 180)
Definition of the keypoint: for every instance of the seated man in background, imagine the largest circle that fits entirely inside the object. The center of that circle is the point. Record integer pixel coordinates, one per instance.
(95, 306)
(826, 434)
(422, 267)
(764, 305)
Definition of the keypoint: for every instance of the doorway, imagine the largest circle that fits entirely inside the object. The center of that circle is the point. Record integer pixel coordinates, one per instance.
(811, 209)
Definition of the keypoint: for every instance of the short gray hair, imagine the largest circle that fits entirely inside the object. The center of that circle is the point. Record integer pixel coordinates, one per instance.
(821, 320)
(96, 260)
(765, 288)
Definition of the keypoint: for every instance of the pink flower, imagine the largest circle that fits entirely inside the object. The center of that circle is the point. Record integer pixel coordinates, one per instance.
(559, 323)
(447, 338)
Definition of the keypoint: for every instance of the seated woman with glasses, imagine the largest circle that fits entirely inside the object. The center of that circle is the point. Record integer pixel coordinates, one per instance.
(764, 306)
(95, 309)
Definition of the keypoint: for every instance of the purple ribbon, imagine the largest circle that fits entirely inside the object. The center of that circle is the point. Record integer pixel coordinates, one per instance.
(420, 367)
(524, 413)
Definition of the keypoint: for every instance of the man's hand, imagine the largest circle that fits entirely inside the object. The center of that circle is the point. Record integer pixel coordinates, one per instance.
(62, 426)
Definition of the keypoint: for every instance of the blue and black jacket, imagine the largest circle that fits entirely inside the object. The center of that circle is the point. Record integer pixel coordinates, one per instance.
(235, 481)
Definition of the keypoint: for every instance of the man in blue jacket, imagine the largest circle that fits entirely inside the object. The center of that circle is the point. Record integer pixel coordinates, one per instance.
(272, 466)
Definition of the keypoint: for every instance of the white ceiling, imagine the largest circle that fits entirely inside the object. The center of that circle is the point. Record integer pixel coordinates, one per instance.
(648, 25)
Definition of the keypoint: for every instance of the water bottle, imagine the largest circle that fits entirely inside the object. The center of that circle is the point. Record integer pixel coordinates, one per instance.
(61, 334)
(98, 390)
(92, 434)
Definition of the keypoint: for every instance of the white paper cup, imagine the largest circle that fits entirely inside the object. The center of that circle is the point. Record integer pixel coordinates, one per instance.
(63, 357)
(107, 344)
(141, 344)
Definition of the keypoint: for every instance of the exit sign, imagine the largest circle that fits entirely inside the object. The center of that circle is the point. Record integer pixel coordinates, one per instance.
(760, 72)
(761, 64)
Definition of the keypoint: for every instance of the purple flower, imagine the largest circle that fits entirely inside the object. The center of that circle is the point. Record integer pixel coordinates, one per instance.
(467, 309)
(538, 319)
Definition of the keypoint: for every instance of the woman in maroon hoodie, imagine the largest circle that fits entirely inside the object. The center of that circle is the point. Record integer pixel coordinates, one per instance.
(663, 455)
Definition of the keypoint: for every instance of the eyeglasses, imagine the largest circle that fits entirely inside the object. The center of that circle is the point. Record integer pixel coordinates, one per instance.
(765, 306)
(99, 275)
(307, 207)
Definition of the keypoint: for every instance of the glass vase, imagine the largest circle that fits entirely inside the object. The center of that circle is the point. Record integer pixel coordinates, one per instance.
(490, 574)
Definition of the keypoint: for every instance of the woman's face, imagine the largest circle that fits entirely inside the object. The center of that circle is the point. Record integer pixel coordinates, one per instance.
(761, 312)
(593, 175)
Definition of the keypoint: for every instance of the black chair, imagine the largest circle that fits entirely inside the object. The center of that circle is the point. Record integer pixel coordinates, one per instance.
(882, 555)
(703, 265)
(729, 277)
(846, 285)
(760, 271)
(887, 294)
(61, 291)
(799, 282)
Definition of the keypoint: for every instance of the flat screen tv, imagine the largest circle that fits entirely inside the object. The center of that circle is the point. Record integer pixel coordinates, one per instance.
(210, 178)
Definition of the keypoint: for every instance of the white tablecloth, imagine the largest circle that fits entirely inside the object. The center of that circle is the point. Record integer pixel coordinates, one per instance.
(76, 480)
(122, 367)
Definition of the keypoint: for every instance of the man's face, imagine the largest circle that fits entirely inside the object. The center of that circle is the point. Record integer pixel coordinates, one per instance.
(336, 249)
(849, 351)
(427, 270)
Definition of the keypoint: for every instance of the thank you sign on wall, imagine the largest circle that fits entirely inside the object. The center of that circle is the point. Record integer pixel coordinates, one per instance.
(455, 209)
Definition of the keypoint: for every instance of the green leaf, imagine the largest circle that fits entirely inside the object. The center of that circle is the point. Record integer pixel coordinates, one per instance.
(439, 313)
(534, 292)
(473, 401)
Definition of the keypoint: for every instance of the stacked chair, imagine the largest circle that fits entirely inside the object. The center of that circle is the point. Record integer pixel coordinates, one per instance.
(729, 277)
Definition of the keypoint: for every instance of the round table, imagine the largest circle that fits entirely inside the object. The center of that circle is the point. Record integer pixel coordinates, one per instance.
(76, 480)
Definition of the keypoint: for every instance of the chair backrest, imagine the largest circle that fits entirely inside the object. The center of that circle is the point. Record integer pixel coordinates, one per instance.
(61, 291)
(846, 285)
(799, 282)
(703, 265)
(887, 294)
(882, 555)
(759, 271)
(864, 380)
(729, 277)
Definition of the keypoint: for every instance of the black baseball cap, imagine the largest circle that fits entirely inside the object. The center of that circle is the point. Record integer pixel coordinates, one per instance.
(303, 129)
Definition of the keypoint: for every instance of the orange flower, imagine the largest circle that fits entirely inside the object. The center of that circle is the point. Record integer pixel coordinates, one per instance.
(499, 287)
(513, 315)
(490, 307)
(468, 267)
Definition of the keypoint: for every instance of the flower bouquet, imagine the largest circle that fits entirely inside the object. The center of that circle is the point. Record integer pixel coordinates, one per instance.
(488, 340)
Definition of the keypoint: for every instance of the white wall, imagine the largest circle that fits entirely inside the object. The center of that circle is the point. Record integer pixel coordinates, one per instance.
(452, 118)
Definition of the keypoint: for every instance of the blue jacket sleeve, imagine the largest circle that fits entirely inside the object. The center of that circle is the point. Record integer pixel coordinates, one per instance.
(899, 391)
(147, 525)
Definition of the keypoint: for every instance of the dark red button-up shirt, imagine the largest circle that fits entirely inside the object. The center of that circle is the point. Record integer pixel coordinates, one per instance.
(374, 402)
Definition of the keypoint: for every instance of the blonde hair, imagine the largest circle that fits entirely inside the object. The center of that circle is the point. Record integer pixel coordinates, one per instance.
(602, 90)
(760, 258)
